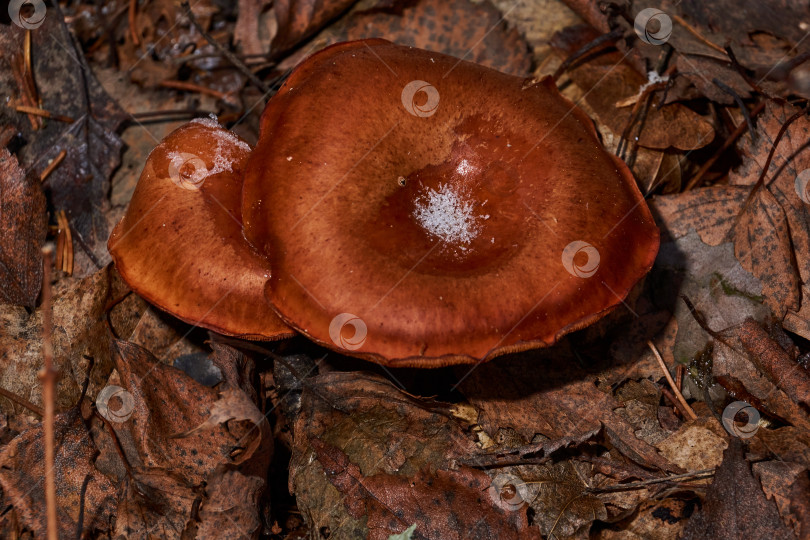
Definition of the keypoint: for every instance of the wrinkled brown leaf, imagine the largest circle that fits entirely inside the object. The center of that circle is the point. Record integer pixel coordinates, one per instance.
(607, 80)
(559, 401)
(80, 332)
(791, 157)
(234, 404)
(450, 504)
(772, 360)
(297, 19)
(230, 507)
(23, 223)
(168, 473)
(735, 505)
(22, 470)
(562, 505)
(380, 430)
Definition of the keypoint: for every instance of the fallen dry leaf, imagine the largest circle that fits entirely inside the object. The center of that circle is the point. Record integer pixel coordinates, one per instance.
(298, 19)
(168, 473)
(22, 212)
(380, 431)
(735, 505)
(774, 362)
(448, 504)
(475, 32)
(66, 86)
(22, 470)
(607, 80)
(558, 401)
(80, 333)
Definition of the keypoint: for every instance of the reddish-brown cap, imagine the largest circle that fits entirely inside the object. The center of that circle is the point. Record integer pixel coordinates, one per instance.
(419, 210)
(180, 244)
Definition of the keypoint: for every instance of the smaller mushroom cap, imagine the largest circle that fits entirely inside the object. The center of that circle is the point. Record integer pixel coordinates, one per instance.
(420, 210)
(180, 245)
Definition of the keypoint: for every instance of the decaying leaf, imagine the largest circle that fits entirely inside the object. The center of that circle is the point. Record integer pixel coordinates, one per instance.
(473, 31)
(168, 473)
(560, 401)
(66, 86)
(22, 232)
(735, 505)
(448, 504)
(234, 404)
(22, 470)
(607, 80)
(80, 333)
(380, 431)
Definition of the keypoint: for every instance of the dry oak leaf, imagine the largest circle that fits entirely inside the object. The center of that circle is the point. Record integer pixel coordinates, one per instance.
(445, 505)
(760, 231)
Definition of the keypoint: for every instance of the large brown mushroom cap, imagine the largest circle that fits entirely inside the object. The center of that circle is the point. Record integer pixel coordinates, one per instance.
(445, 211)
(180, 244)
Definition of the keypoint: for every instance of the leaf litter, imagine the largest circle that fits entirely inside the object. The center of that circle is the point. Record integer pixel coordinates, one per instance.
(164, 430)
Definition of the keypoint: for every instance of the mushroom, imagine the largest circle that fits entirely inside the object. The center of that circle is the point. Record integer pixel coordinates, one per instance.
(420, 210)
(180, 244)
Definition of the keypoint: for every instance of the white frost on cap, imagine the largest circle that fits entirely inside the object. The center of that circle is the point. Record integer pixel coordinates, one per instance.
(448, 214)
(221, 133)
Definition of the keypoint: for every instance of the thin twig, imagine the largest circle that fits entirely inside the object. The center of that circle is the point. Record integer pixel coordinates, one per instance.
(697, 475)
(738, 131)
(588, 47)
(761, 180)
(36, 111)
(738, 100)
(133, 25)
(22, 401)
(238, 64)
(52, 165)
(191, 87)
(48, 378)
(686, 408)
